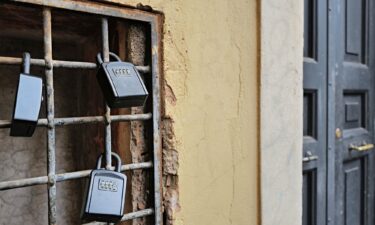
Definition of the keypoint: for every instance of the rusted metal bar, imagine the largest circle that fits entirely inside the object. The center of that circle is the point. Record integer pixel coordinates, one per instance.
(138, 214)
(132, 215)
(97, 9)
(96, 119)
(17, 61)
(5, 185)
(107, 133)
(83, 120)
(51, 136)
(61, 64)
(74, 65)
(143, 69)
(156, 71)
(86, 173)
(7, 123)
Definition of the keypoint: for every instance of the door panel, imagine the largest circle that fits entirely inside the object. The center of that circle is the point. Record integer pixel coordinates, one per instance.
(354, 113)
(338, 114)
(355, 18)
(310, 29)
(309, 197)
(314, 118)
(354, 192)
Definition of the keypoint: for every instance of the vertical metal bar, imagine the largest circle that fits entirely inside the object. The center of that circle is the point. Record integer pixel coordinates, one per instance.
(155, 42)
(105, 54)
(51, 157)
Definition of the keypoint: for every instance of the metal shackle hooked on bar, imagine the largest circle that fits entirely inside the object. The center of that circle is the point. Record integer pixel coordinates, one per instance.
(105, 197)
(121, 84)
(28, 101)
(116, 156)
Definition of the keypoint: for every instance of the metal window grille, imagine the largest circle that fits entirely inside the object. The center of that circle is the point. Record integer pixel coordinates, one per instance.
(104, 11)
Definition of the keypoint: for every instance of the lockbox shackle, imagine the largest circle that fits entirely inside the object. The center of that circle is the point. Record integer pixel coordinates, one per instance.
(117, 157)
(26, 63)
(99, 57)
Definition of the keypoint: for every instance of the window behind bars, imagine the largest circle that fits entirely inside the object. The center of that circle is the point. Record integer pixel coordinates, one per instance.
(46, 173)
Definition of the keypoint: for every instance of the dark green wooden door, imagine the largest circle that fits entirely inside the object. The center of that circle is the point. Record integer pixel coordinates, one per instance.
(338, 169)
(314, 115)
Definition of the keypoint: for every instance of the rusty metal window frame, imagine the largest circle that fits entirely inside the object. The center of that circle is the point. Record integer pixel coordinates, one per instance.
(104, 11)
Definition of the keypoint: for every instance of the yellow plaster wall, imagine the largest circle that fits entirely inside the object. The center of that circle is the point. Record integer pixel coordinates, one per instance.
(210, 53)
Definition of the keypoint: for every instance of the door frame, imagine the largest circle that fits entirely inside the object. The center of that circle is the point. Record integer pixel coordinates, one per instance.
(281, 125)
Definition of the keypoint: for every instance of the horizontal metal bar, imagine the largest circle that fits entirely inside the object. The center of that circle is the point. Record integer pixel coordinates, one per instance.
(5, 185)
(61, 64)
(99, 119)
(131, 216)
(74, 65)
(84, 120)
(96, 9)
(138, 214)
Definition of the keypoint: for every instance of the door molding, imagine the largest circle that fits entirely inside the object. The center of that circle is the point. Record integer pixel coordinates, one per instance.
(281, 107)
